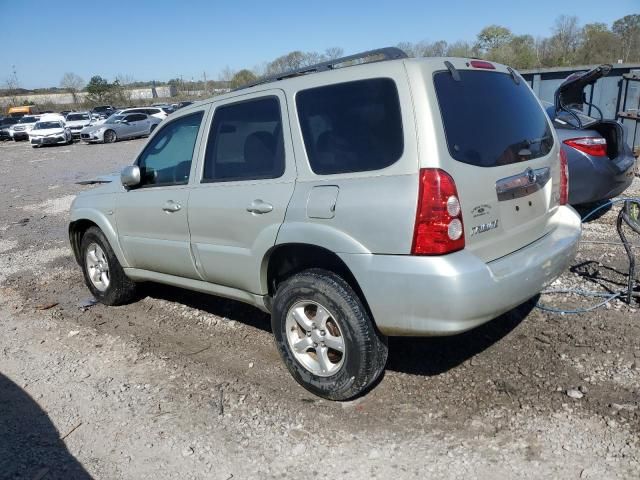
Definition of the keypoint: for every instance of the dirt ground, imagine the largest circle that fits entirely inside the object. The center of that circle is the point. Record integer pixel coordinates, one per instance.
(183, 385)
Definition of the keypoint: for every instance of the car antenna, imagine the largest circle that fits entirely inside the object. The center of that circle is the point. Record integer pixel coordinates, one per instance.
(454, 73)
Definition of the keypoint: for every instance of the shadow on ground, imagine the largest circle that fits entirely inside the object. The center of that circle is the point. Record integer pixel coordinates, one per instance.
(30, 445)
(414, 355)
(435, 355)
(219, 306)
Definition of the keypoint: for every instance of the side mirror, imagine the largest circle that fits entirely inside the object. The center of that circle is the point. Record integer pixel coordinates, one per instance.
(130, 176)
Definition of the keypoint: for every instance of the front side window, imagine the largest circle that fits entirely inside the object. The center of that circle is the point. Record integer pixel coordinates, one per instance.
(245, 142)
(351, 127)
(166, 160)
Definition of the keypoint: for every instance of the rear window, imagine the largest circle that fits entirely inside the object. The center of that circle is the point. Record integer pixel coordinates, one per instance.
(351, 127)
(489, 120)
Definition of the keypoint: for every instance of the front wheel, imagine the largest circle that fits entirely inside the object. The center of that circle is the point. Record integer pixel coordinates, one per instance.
(110, 136)
(325, 335)
(103, 273)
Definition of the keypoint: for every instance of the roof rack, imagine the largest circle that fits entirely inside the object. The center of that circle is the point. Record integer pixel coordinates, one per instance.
(371, 56)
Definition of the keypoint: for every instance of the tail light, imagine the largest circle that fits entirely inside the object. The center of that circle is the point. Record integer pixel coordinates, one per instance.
(482, 64)
(564, 179)
(439, 228)
(595, 146)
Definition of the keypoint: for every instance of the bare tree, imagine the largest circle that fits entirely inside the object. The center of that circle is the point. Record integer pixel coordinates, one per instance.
(123, 92)
(566, 39)
(72, 83)
(332, 53)
(13, 86)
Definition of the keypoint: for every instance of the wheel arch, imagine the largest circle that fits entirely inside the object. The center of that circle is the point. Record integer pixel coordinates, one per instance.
(84, 219)
(286, 260)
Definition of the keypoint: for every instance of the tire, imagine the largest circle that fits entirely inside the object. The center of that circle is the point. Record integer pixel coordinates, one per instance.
(152, 128)
(346, 321)
(109, 136)
(118, 289)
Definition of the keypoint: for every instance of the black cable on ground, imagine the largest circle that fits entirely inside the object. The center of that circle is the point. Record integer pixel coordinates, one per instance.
(608, 297)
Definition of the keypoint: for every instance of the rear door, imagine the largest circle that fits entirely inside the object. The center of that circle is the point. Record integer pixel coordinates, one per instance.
(247, 175)
(502, 153)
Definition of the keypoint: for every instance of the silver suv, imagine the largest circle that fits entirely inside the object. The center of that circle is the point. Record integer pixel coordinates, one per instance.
(371, 196)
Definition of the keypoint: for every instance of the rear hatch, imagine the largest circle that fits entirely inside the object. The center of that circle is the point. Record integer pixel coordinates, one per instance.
(502, 155)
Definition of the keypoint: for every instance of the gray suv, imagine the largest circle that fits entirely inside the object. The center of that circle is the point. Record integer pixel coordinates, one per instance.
(375, 195)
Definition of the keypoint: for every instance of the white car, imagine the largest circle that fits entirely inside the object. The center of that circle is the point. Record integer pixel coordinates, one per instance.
(49, 132)
(76, 121)
(20, 130)
(156, 112)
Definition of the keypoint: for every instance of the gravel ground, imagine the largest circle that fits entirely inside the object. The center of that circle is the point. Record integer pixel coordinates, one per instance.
(183, 385)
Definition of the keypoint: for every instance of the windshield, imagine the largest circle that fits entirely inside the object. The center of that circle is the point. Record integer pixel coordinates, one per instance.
(491, 120)
(114, 119)
(72, 117)
(28, 120)
(45, 125)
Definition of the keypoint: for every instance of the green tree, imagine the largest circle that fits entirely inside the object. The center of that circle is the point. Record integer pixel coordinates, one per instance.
(242, 78)
(599, 44)
(98, 90)
(628, 31)
(493, 36)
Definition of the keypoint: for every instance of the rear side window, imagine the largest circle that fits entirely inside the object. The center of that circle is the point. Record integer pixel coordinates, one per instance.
(245, 142)
(489, 120)
(351, 127)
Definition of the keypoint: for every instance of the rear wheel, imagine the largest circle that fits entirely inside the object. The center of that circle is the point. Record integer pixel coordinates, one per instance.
(152, 128)
(103, 274)
(325, 335)
(110, 136)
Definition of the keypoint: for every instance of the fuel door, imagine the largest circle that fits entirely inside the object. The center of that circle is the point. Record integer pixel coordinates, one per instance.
(322, 201)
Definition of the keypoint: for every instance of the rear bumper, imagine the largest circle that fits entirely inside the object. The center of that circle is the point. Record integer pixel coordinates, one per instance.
(599, 178)
(412, 295)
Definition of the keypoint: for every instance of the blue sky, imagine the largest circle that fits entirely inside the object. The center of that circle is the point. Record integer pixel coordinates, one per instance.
(162, 39)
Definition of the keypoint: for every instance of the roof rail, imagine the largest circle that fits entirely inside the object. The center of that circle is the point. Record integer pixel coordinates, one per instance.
(371, 56)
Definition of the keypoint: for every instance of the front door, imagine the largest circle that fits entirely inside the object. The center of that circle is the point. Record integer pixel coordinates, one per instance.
(246, 179)
(152, 218)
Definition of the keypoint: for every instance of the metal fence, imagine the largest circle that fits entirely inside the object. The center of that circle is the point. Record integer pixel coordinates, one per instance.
(611, 94)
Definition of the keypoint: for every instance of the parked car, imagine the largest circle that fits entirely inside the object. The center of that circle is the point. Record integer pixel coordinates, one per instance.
(102, 111)
(601, 164)
(20, 131)
(120, 127)
(76, 121)
(168, 109)
(180, 105)
(50, 132)
(5, 124)
(351, 204)
(156, 112)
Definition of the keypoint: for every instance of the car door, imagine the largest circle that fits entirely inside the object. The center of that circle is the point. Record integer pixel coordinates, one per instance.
(141, 124)
(127, 127)
(246, 177)
(152, 218)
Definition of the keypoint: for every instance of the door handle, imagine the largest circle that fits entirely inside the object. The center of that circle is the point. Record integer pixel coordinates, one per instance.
(171, 206)
(258, 207)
